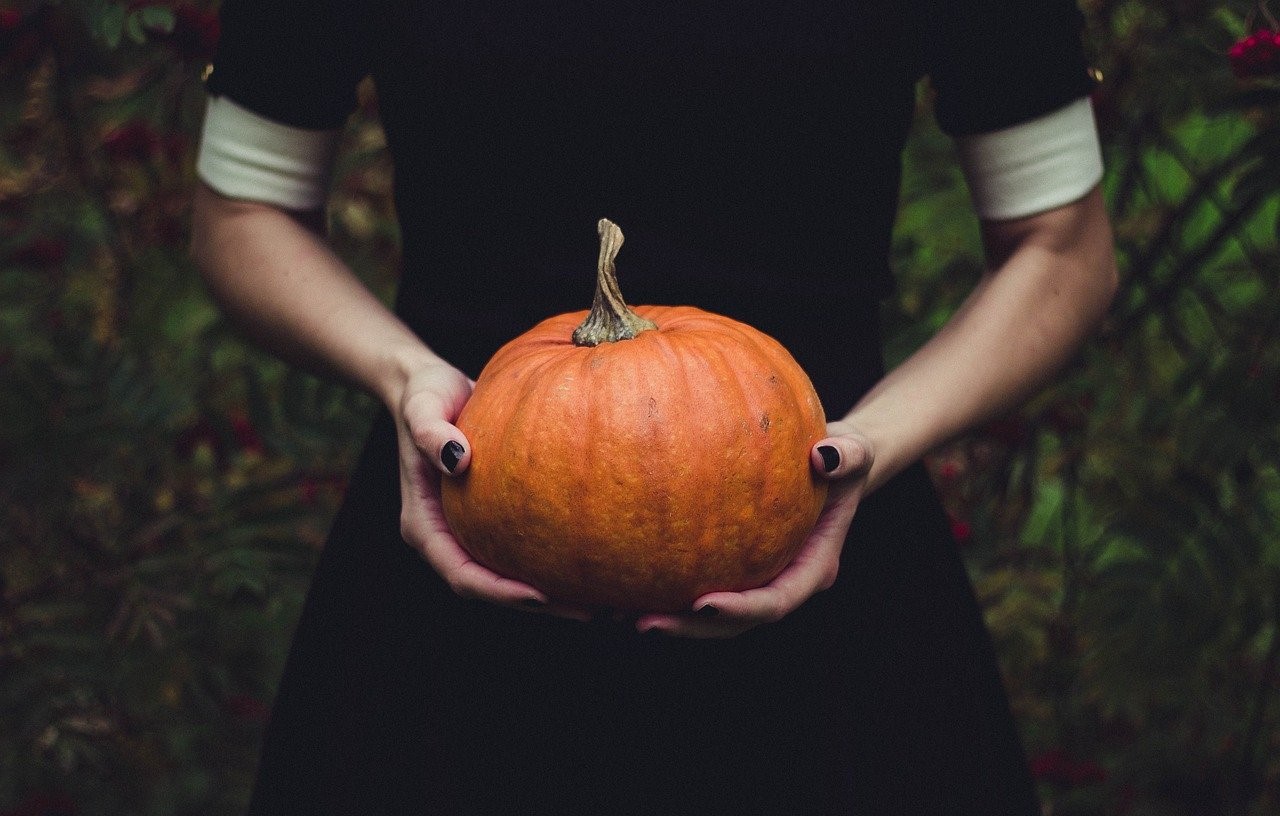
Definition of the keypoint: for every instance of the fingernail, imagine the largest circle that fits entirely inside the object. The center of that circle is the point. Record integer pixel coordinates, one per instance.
(532, 603)
(451, 455)
(707, 611)
(830, 457)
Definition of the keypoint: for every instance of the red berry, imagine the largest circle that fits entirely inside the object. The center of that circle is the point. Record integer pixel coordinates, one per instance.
(135, 140)
(1256, 55)
(246, 435)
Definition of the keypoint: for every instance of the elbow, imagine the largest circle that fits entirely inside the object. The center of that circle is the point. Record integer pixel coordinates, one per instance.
(1094, 291)
(1087, 245)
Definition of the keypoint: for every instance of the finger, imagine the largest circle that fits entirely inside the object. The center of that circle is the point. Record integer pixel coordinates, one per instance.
(727, 614)
(471, 579)
(467, 577)
(839, 457)
(700, 626)
(428, 416)
(442, 444)
(425, 528)
(723, 615)
(722, 619)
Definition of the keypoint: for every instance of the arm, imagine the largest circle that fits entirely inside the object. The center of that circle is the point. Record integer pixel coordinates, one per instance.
(280, 282)
(1051, 279)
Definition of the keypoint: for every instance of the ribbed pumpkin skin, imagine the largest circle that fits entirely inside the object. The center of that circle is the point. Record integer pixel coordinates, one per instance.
(643, 473)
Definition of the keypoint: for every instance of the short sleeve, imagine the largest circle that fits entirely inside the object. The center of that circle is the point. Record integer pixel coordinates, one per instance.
(1033, 166)
(294, 62)
(997, 63)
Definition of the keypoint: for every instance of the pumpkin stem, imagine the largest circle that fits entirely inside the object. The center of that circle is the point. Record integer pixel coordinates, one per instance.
(610, 319)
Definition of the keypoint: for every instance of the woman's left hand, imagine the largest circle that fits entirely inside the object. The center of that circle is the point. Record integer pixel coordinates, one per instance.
(844, 457)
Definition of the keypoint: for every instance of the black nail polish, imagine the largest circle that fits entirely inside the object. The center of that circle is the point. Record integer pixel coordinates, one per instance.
(830, 457)
(533, 603)
(707, 611)
(451, 455)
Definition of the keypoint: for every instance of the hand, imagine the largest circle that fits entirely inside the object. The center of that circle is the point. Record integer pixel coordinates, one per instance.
(432, 448)
(845, 458)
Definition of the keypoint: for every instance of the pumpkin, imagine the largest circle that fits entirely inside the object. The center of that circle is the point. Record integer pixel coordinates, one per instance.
(637, 459)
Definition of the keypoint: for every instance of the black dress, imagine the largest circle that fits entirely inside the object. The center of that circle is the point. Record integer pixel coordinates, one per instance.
(750, 151)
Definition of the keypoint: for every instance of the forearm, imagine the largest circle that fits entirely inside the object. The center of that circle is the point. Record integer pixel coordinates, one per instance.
(286, 289)
(1051, 281)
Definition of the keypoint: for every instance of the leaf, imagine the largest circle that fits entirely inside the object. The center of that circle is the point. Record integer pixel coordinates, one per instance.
(1231, 21)
(157, 18)
(1044, 525)
(1118, 550)
(1238, 296)
(232, 582)
(111, 25)
(189, 317)
(134, 28)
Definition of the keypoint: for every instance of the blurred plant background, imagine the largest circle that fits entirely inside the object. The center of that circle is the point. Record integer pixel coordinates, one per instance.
(164, 488)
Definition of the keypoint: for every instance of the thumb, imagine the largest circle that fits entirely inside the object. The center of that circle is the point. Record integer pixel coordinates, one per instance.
(443, 444)
(842, 456)
(430, 405)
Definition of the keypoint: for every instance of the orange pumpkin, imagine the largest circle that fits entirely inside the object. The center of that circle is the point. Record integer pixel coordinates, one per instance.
(640, 460)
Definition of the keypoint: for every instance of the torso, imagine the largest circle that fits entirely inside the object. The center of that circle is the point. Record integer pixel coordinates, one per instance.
(744, 149)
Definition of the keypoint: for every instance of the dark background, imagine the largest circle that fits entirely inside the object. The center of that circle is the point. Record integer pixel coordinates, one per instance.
(164, 488)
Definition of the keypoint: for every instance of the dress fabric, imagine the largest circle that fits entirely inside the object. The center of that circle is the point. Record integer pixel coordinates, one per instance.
(750, 152)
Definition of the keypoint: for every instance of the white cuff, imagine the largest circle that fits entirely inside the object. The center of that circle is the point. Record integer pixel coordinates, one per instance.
(247, 156)
(1034, 166)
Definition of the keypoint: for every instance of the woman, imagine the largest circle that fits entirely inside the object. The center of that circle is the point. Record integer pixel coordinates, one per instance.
(751, 152)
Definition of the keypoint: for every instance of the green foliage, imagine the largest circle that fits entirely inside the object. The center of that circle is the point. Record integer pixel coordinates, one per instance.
(164, 487)
(1125, 521)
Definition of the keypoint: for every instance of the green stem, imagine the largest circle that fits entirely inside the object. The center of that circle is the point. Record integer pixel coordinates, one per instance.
(610, 319)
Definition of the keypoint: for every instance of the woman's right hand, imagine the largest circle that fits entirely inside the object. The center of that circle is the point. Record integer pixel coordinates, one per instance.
(433, 448)
(293, 295)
